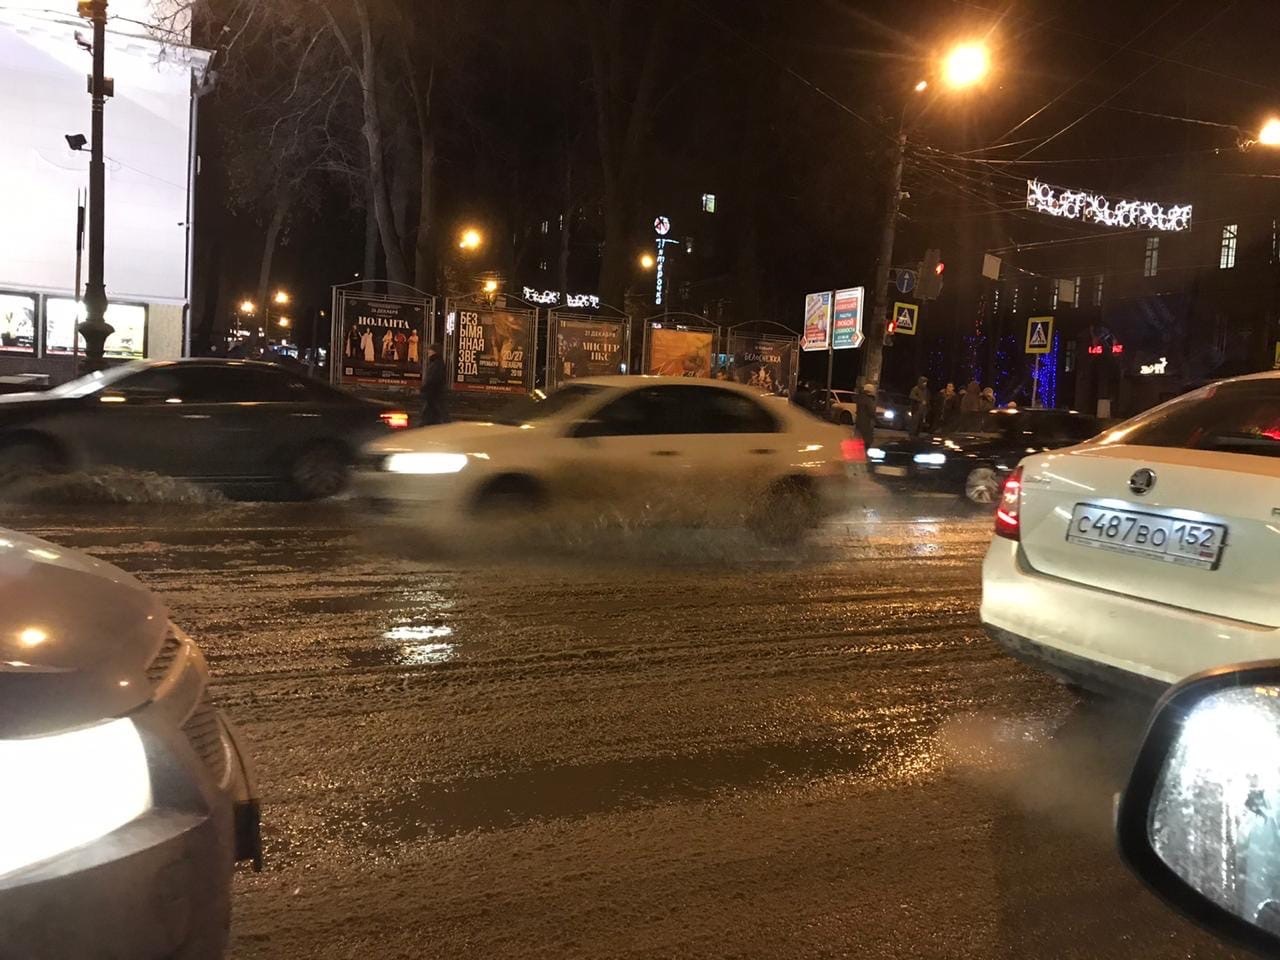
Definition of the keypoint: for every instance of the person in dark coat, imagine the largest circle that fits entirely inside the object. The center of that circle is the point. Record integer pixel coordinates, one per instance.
(435, 391)
(865, 420)
(920, 402)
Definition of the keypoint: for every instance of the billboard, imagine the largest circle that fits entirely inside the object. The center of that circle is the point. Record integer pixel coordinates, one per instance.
(676, 352)
(383, 340)
(847, 327)
(817, 322)
(586, 347)
(492, 351)
(763, 361)
(17, 323)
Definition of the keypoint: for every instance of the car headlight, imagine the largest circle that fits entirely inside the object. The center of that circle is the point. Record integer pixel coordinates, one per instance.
(930, 459)
(875, 453)
(64, 791)
(888, 414)
(425, 462)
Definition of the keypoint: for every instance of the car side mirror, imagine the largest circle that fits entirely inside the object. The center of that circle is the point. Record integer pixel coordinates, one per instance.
(1199, 821)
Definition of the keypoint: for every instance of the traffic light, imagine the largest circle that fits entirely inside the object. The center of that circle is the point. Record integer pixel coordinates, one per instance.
(931, 268)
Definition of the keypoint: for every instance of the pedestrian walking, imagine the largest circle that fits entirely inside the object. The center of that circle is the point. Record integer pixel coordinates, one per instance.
(865, 420)
(944, 408)
(435, 392)
(920, 400)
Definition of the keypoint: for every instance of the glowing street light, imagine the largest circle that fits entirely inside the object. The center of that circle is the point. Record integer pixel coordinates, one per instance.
(247, 307)
(1269, 135)
(646, 261)
(470, 239)
(922, 86)
(491, 286)
(965, 65)
(284, 322)
(281, 297)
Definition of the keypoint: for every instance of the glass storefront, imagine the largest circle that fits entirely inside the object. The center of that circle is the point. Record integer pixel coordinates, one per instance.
(17, 323)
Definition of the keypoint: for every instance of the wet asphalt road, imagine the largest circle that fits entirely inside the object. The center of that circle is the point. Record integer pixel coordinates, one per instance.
(652, 744)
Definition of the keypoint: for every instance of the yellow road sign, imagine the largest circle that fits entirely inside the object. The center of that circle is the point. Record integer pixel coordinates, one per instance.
(1039, 334)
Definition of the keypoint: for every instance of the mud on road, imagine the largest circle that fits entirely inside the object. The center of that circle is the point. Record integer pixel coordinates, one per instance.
(657, 744)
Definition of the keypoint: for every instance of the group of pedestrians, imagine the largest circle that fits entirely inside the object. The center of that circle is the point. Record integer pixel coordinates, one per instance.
(941, 412)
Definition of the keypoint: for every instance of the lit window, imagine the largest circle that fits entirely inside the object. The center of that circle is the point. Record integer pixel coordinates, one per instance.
(1275, 241)
(1053, 295)
(546, 226)
(1097, 292)
(708, 203)
(1151, 264)
(542, 265)
(688, 244)
(1075, 296)
(1227, 257)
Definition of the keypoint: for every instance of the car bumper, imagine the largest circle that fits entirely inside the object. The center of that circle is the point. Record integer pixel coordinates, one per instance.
(1103, 640)
(159, 886)
(409, 489)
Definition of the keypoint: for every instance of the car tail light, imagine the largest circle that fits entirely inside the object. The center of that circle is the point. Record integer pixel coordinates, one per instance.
(395, 419)
(853, 450)
(1007, 519)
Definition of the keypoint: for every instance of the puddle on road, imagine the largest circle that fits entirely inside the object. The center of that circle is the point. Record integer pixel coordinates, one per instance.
(547, 792)
(409, 646)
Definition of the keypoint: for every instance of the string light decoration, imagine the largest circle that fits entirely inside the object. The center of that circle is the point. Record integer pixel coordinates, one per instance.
(1095, 208)
(1048, 390)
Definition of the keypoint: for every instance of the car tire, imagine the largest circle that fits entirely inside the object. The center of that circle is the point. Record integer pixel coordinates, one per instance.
(509, 497)
(788, 513)
(27, 458)
(320, 471)
(846, 418)
(982, 486)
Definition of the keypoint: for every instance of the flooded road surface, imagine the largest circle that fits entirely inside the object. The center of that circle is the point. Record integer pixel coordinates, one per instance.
(654, 744)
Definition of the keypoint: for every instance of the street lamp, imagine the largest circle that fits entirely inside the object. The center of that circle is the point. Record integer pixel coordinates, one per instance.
(470, 239)
(491, 286)
(963, 66)
(646, 261)
(281, 297)
(1269, 135)
(248, 307)
(284, 322)
(966, 64)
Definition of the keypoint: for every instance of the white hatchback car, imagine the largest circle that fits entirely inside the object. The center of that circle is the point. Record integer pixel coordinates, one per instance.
(693, 449)
(1149, 553)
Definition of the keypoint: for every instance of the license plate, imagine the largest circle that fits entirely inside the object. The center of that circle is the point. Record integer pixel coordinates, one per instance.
(1153, 535)
(892, 471)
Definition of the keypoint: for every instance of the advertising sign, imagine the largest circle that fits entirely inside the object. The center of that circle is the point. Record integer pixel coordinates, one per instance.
(906, 318)
(676, 352)
(763, 361)
(17, 323)
(62, 315)
(847, 329)
(492, 351)
(817, 322)
(586, 347)
(382, 340)
(1039, 334)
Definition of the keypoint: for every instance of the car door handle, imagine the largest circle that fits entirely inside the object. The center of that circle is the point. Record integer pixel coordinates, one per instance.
(762, 451)
(665, 453)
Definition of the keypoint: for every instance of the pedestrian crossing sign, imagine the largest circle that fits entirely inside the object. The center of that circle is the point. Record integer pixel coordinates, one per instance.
(905, 316)
(1039, 334)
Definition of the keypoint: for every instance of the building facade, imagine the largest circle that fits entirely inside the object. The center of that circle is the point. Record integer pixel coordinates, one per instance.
(149, 144)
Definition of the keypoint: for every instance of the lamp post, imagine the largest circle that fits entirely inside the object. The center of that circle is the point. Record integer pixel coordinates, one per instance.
(964, 66)
(94, 328)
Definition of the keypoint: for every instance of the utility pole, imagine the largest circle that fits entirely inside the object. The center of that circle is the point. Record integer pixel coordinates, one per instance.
(95, 328)
(874, 357)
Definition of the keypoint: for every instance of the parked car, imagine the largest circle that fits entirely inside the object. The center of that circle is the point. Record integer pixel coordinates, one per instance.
(1149, 553)
(220, 421)
(974, 460)
(700, 448)
(127, 797)
(841, 406)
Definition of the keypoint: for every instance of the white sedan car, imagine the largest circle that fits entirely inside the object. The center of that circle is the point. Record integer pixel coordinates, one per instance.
(699, 450)
(1149, 553)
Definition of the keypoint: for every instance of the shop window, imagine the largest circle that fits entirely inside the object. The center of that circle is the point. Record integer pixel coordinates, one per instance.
(17, 323)
(128, 342)
(1227, 255)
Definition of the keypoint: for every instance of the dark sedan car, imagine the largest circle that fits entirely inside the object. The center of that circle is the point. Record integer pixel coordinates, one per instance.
(973, 459)
(228, 422)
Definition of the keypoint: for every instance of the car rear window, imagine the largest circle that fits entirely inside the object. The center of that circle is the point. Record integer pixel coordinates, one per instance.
(1241, 416)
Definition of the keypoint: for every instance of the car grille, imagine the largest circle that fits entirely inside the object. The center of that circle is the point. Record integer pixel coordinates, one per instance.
(159, 668)
(204, 731)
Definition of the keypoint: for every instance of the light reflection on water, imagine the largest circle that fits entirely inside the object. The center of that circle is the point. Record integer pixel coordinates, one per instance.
(416, 646)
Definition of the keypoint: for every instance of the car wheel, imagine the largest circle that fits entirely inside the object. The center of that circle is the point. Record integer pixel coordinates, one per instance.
(982, 486)
(321, 471)
(787, 514)
(846, 418)
(27, 458)
(508, 498)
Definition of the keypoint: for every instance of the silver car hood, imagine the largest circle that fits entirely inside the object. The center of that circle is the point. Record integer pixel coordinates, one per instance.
(76, 636)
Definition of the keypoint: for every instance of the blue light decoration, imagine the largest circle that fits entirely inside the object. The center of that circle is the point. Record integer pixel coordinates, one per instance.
(1049, 375)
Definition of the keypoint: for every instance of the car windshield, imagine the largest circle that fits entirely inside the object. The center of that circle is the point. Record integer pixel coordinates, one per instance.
(540, 405)
(1241, 416)
(91, 383)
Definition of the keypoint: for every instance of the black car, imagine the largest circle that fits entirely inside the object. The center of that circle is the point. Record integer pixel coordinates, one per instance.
(974, 458)
(228, 422)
